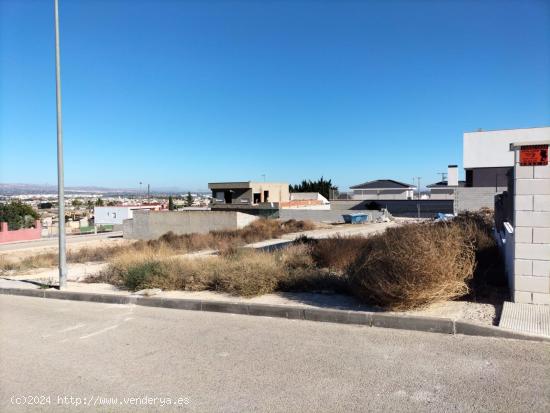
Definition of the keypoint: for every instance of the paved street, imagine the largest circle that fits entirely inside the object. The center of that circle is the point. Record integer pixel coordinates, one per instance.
(220, 362)
(52, 242)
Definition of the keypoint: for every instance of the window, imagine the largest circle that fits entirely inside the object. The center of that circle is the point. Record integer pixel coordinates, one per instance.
(469, 178)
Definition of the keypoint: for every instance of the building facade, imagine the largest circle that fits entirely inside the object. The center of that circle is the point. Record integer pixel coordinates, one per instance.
(488, 167)
(115, 215)
(248, 193)
(382, 189)
(488, 160)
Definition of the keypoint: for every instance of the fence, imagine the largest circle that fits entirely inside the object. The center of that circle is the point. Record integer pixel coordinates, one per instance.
(25, 234)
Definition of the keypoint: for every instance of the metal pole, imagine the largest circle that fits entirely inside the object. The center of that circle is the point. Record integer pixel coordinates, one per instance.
(60, 180)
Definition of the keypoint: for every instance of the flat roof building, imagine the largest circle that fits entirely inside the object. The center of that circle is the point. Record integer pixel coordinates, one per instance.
(487, 154)
(248, 193)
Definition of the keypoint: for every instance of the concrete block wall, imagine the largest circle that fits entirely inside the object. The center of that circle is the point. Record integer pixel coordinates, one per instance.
(325, 216)
(474, 198)
(148, 225)
(531, 282)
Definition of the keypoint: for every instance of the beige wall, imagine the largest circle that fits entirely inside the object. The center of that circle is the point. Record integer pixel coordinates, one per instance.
(277, 192)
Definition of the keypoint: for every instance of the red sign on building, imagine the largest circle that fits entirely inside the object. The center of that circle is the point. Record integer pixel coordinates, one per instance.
(533, 155)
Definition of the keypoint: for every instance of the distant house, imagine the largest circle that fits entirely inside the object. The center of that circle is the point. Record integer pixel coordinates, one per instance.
(262, 198)
(382, 189)
(115, 215)
(248, 193)
(446, 189)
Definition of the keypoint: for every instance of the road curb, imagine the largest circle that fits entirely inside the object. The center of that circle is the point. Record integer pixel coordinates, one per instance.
(417, 323)
(364, 318)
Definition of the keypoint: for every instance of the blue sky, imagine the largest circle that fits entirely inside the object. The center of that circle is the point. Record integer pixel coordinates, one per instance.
(180, 93)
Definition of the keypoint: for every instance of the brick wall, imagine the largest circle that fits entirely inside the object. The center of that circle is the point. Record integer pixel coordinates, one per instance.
(532, 234)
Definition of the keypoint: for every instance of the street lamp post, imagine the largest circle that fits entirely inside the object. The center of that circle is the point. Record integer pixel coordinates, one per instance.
(60, 180)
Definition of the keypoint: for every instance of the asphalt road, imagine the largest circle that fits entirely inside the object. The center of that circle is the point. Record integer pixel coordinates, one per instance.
(212, 362)
(52, 242)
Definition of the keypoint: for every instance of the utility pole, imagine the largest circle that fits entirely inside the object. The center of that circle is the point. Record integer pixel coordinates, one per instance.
(148, 192)
(60, 180)
(443, 176)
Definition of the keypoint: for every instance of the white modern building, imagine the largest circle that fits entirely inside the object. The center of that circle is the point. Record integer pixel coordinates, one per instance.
(488, 166)
(115, 215)
(487, 155)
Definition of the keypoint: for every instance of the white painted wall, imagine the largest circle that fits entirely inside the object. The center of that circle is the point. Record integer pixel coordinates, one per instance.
(115, 215)
(452, 175)
(492, 148)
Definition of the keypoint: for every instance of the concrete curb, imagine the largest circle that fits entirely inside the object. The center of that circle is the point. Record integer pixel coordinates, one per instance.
(371, 319)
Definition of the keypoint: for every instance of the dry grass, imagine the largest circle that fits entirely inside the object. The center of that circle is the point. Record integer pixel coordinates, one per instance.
(336, 253)
(403, 268)
(245, 272)
(35, 261)
(168, 244)
(413, 266)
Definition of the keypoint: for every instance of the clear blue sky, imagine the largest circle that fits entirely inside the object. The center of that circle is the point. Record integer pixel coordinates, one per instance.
(180, 93)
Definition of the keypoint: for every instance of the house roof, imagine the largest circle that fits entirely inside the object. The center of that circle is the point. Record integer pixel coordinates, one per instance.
(382, 184)
(443, 184)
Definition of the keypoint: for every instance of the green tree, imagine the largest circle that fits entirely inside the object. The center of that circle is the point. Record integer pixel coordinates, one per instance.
(99, 202)
(90, 204)
(323, 186)
(112, 203)
(189, 199)
(171, 205)
(18, 215)
(77, 203)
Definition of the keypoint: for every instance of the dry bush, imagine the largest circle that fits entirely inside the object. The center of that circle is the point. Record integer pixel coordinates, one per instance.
(248, 273)
(413, 266)
(336, 253)
(489, 275)
(302, 273)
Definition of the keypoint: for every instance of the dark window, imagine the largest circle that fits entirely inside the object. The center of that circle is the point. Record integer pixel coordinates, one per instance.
(227, 196)
(469, 178)
(266, 196)
(257, 198)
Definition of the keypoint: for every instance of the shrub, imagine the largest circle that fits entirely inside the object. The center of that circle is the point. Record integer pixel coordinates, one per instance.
(489, 272)
(18, 215)
(335, 253)
(413, 266)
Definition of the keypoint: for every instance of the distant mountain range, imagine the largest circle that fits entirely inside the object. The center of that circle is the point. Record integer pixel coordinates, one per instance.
(18, 189)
